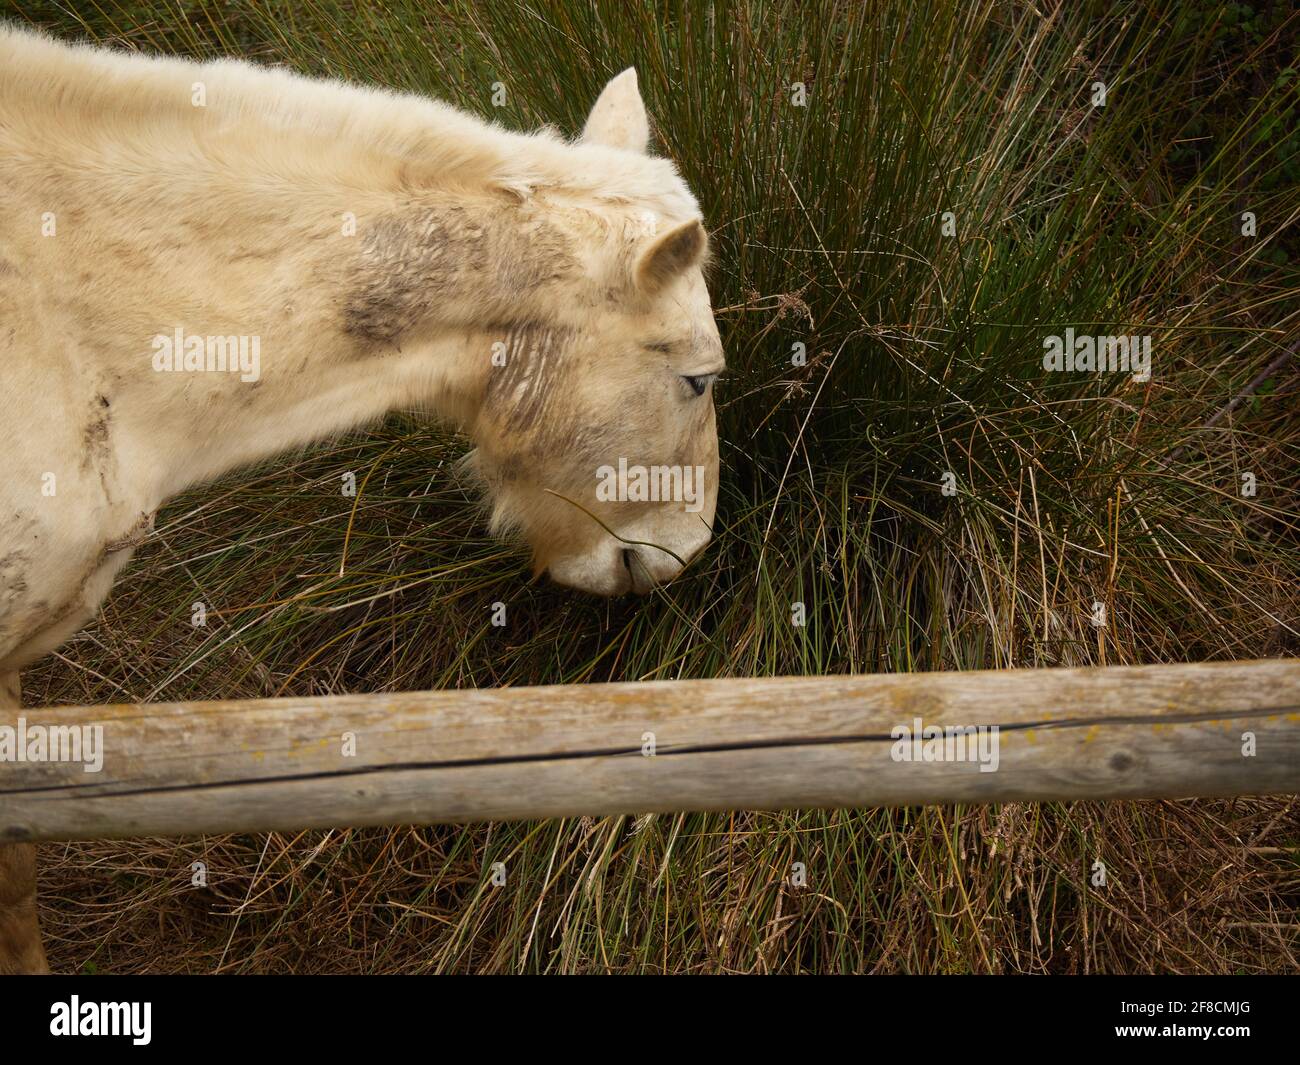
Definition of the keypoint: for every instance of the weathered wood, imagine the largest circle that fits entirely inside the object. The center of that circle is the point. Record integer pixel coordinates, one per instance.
(456, 756)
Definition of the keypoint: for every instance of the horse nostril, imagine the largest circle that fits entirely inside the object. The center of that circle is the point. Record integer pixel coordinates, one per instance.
(627, 559)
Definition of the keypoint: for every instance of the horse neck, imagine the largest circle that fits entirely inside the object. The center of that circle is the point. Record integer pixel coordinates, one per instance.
(345, 307)
(371, 270)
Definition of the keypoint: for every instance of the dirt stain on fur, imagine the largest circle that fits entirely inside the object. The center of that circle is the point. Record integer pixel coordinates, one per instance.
(96, 448)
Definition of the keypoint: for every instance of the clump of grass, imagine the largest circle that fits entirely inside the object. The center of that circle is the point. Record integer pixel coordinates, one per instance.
(923, 357)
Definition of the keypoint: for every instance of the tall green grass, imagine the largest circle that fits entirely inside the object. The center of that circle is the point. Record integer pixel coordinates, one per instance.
(923, 357)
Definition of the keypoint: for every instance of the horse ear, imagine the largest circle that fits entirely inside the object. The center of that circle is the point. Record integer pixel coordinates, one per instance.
(618, 118)
(671, 255)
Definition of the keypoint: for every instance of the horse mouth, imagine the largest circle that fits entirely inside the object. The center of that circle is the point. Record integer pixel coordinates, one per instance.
(627, 576)
(639, 582)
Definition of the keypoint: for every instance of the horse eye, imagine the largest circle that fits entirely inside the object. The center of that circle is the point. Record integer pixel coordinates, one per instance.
(699, 384)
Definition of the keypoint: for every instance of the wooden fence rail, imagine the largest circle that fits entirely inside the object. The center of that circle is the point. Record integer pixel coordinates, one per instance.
(1207, 729)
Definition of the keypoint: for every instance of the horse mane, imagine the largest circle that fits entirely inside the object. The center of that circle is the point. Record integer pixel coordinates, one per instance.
(143, 95)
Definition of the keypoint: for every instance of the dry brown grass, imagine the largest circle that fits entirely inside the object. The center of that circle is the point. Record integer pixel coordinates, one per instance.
(1192, 887)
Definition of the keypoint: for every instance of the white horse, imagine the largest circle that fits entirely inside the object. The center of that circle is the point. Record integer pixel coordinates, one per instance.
(202, 265)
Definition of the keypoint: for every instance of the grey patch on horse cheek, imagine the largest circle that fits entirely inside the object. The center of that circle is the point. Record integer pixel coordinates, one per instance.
(410, 261)
(405, 261)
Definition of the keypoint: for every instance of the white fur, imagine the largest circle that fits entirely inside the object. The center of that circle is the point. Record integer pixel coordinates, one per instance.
(227, 219)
